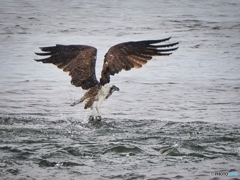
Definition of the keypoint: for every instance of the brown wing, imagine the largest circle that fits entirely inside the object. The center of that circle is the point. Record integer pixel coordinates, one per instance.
(130, 55)
(78, 60)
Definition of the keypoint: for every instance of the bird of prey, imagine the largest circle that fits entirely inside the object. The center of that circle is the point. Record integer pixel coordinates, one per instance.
(79, 61)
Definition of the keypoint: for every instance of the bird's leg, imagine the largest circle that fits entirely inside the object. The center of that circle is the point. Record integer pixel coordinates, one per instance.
(91, 117)
(77, 101)
(98, 117)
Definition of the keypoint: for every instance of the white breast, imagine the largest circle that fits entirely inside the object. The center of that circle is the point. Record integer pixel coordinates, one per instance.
(104, 90)
(103, 93)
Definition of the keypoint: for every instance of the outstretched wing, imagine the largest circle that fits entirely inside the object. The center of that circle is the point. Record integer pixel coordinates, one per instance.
(78, 60)
(130, 55)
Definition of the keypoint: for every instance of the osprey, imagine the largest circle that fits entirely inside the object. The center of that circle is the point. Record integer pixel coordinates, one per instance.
(80, 60)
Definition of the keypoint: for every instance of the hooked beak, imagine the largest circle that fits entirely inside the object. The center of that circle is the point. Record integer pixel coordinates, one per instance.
(115, 88)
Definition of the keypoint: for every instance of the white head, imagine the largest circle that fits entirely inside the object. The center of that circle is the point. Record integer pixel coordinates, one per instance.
(114, 88)
(109, 89)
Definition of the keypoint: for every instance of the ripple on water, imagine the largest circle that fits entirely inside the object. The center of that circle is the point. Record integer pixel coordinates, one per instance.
(121, 144)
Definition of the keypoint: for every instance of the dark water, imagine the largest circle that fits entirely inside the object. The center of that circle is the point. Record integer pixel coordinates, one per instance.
(176, 118)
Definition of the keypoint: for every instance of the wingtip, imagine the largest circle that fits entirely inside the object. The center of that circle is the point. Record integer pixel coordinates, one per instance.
(166, 54)
(174, 44)
(43, 53)
(37, 60)
(36, 53)
(174, 49)
(166, 39)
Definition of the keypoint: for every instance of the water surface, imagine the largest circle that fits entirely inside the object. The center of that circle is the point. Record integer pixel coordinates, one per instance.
(176, 118)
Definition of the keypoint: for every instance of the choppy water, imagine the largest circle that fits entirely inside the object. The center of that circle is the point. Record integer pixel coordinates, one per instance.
(176, 118)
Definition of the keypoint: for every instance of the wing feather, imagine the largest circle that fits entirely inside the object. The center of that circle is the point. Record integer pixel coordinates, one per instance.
(130, 55)
(78, 60)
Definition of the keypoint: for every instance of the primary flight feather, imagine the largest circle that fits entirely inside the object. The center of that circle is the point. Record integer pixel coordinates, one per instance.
(79, 61)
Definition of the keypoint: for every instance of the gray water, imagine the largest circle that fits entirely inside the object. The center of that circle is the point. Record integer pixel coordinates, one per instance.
(176, 118)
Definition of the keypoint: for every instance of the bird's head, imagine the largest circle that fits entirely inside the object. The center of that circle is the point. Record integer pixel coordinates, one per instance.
(110, 89)
(114, 88)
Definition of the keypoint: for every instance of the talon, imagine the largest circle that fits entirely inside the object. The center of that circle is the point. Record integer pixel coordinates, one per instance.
(91, 118)
(73, 104)
(99, 118)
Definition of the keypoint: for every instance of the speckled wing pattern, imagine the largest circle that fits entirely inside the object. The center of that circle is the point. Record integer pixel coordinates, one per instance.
(78, 60)
(130, 55)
